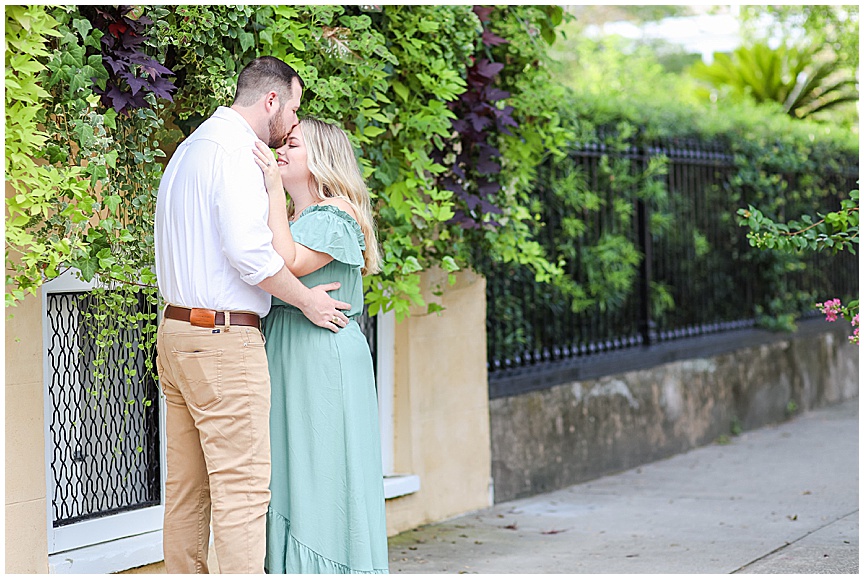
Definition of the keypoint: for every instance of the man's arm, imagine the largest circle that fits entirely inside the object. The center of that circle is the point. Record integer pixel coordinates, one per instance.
(314, 302)
(241, 213)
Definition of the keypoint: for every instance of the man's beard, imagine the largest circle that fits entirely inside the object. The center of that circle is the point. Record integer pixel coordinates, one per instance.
(277, 128)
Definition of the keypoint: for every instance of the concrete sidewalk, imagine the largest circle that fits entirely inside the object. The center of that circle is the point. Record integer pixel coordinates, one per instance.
(781, 499)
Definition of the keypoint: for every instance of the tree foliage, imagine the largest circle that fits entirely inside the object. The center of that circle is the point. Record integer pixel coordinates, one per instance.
(832, 26)
(833, 231)
(782, 166)
(799, 79)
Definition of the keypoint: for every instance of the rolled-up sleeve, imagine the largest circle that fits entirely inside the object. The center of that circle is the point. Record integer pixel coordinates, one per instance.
(241, 210)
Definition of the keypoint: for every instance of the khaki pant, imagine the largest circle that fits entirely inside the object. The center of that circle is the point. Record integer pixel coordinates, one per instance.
(217, 389)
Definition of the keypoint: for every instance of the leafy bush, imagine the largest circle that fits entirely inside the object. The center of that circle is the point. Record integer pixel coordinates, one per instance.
(796, 78)
(626, 102)
(116, 87)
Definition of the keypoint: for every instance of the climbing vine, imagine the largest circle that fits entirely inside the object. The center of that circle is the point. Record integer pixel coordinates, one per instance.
(34, 246)
(88, 200)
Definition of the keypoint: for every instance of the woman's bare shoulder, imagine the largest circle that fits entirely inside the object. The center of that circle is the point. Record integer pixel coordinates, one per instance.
(340, 204)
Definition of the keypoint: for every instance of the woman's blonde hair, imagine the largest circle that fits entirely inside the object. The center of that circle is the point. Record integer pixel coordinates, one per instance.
(335, 173)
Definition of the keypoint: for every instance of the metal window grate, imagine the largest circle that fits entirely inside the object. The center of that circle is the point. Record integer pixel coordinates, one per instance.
(369, 327)
(105, 451)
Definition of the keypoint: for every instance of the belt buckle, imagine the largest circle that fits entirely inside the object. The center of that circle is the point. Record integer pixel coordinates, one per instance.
(202, 318)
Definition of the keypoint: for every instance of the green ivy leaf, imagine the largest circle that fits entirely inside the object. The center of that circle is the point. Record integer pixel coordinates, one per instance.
(83, 26)
(411, 265)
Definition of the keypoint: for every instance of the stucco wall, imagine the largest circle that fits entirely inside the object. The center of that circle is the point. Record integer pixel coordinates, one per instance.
(552, 438)
(441, 418)
(442, 404)
(26, 518)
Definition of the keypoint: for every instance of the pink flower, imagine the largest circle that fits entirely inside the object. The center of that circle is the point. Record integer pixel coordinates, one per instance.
(854, 337)
(830, 308)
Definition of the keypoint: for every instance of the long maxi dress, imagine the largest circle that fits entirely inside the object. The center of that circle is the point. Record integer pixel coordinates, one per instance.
(326, 510)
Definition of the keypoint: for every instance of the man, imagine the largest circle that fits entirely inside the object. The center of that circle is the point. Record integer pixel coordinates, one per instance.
(216, 269)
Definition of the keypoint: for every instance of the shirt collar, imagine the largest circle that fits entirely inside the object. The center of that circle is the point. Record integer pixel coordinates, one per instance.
(229, 114)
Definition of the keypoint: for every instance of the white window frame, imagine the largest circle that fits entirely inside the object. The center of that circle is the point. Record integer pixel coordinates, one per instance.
(395, 485)
(106, 544)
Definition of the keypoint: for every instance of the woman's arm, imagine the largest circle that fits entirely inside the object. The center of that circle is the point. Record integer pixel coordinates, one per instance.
(299, 259)
(277, 218)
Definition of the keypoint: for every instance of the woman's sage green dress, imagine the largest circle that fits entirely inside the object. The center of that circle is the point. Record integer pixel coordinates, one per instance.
(326, 510)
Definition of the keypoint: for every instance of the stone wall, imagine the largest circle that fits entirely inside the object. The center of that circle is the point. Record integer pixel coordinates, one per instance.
(552, 438)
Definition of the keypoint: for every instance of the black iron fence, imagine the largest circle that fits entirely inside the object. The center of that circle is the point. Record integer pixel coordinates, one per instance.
(697, 274)
(105, 442)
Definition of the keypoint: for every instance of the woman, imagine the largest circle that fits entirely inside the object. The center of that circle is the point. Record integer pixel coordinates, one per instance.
(326, 510)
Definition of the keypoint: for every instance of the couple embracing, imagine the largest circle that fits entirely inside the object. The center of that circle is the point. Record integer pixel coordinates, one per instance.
(272, 422)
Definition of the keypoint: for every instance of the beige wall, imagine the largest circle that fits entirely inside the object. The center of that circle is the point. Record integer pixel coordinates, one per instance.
(26, 526)
(441, 418)
(442, 404)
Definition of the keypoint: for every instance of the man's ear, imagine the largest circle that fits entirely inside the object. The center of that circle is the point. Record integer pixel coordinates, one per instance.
(271, 101)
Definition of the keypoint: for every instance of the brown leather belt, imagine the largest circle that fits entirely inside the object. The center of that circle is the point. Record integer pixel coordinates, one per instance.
(211, 318)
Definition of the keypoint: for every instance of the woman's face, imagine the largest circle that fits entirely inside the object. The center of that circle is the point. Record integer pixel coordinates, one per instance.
(291, 159)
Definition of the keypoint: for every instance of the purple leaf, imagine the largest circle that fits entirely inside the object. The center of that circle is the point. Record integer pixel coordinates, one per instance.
(163, 88)
(131, 41)
(488, 69)
(496, 94)
(117, 99)
(471, 201)
(490, 39)
(125, 53)
(155, 69)
(142, 59)
(488, 167)
(115, 65)
(464, 220)
(464, 158)
(135, 83)
(455, 187)
(478, 122)
(505, 118)
(486, 151)
(483, 12)
(487, 207)
(137, 101)
(138, 57)
(489, 188)
(505, 122)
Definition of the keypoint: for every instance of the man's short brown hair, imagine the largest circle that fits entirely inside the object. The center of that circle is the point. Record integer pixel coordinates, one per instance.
(262, 75)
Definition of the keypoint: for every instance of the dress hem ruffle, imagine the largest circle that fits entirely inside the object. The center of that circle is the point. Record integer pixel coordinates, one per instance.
(313, 561)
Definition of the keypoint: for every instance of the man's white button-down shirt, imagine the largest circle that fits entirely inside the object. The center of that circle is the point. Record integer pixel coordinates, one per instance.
(213, 245)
